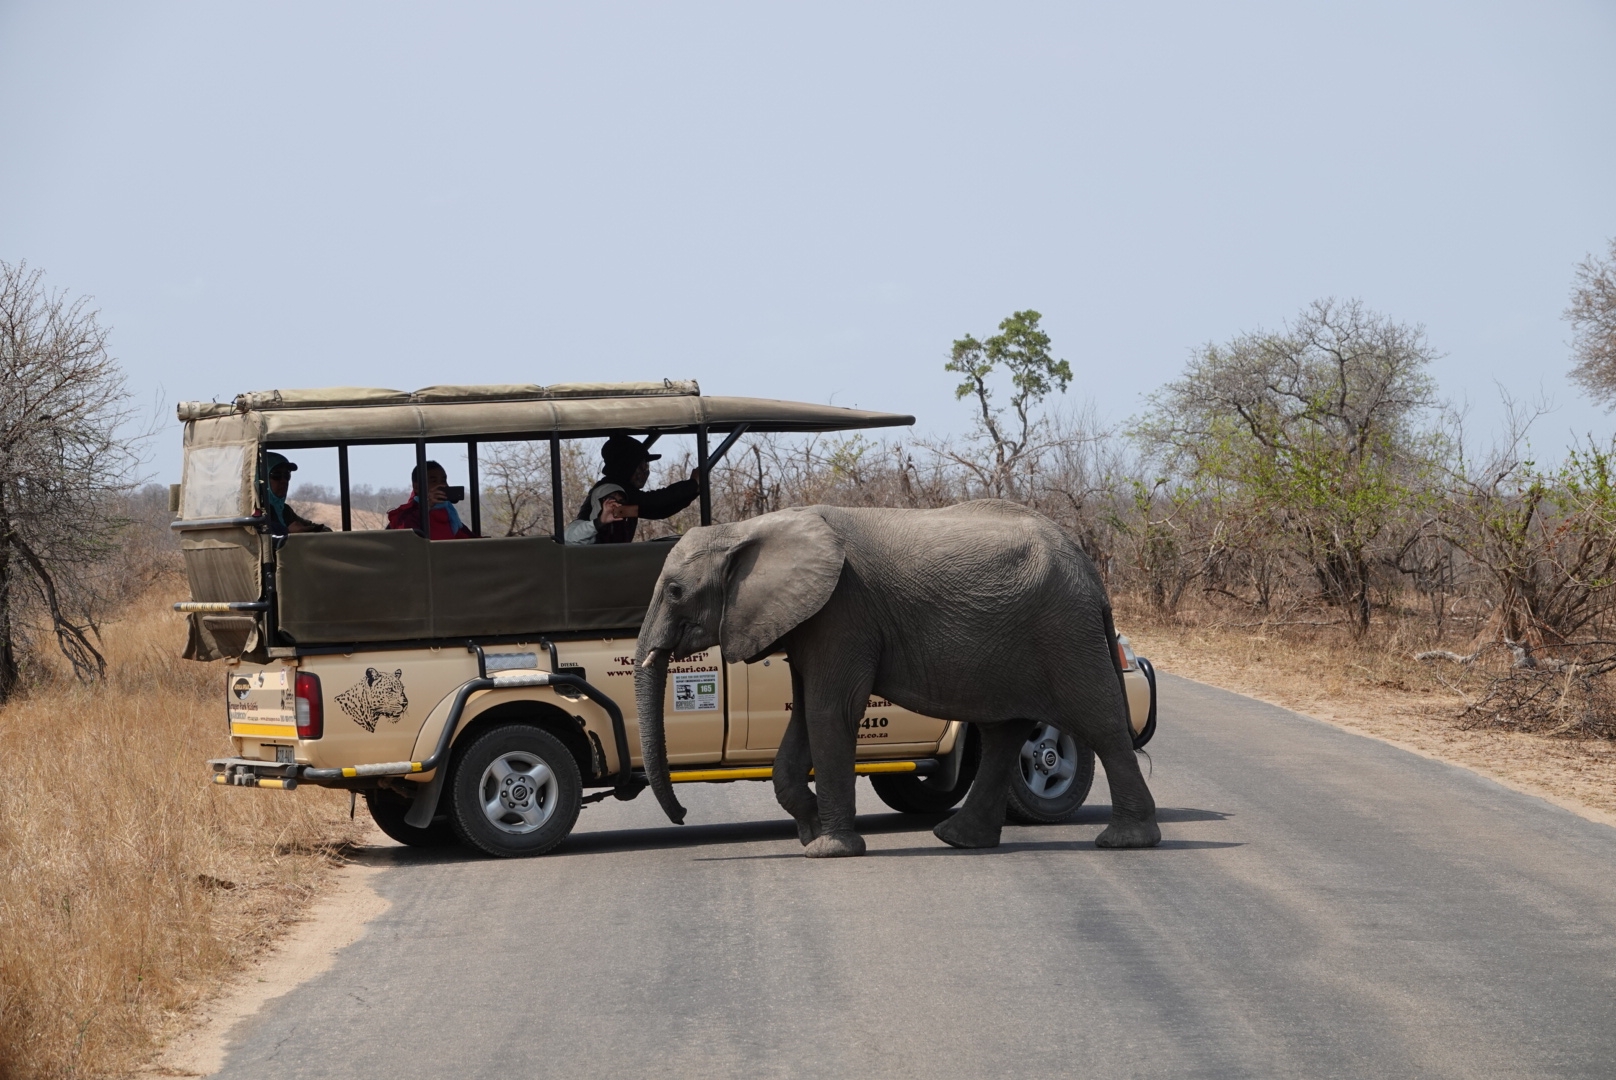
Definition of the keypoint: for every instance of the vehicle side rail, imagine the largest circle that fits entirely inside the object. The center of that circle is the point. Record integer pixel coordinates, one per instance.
(720, 774)
(208, 607)
(183, 525)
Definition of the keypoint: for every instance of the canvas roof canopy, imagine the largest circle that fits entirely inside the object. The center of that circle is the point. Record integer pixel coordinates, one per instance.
(292, 418)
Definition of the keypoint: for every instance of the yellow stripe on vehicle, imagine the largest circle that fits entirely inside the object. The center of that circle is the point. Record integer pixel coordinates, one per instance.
(284, 731)
(692, 776)
(266, 782)
(350, 772)
(764, 772)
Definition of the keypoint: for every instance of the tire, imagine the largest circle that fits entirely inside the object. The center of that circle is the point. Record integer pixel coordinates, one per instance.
(387, 810)
(515, 792)
(909, 794)
(1054, 776)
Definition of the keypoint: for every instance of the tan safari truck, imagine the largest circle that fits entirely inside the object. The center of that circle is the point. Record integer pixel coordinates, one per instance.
(481, 691)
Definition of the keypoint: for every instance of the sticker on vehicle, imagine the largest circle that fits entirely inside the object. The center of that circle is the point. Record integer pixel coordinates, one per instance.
(377, 695)
(695, 691)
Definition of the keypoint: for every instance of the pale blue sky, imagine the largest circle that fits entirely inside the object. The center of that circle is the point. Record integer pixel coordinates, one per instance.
(803, 201)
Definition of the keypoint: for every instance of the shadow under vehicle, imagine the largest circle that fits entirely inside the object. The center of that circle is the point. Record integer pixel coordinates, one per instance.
(481, 690)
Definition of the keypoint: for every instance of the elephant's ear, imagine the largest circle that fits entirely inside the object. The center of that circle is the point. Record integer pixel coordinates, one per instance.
(782, 570)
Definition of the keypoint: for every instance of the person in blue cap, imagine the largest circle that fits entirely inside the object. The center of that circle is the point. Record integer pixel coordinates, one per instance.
(274, 478)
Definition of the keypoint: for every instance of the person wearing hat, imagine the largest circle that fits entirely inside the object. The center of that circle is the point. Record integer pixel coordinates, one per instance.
(274, 478)
(615, 505)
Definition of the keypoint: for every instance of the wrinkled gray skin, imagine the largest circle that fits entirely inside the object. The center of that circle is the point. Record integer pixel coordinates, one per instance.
(984, 612)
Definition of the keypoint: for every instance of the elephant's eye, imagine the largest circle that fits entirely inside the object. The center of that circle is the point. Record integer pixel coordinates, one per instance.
(674, 590)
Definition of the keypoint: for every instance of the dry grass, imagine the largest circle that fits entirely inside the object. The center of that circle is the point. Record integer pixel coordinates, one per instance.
(1376, 687)
(129, 884)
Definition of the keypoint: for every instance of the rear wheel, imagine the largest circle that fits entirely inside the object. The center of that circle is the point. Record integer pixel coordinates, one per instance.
(910, 794)
(387, 810)
(515, 791)
(1054, 776)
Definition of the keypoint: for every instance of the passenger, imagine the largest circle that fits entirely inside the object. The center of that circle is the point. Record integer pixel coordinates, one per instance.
(616, 502)
(446, 524)
(273, 483)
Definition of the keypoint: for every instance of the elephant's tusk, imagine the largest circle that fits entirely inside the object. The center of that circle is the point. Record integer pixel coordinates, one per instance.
(650, 658)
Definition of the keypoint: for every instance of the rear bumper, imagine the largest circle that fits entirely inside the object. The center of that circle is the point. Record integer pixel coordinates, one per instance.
(252, 772)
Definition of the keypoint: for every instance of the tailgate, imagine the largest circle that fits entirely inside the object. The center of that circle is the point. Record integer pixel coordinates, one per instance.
(261, 703)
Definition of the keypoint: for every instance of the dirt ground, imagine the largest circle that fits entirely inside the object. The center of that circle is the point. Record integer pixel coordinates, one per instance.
(1385, 693)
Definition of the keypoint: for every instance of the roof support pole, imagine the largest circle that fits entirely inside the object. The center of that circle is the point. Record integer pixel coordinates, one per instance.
(423, 491)
(706, 497)
(342, 485)
(556, 494)
(474, 487)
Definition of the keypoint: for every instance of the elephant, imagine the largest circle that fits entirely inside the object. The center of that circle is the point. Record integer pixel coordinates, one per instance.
(984, 611)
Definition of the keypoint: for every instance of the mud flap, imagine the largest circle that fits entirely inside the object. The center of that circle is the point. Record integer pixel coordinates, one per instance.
(425, 804)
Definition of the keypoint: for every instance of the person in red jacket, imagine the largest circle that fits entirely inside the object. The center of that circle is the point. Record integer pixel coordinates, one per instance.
(446, 523)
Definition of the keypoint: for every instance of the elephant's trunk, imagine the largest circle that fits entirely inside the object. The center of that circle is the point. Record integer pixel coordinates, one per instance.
(650, 681)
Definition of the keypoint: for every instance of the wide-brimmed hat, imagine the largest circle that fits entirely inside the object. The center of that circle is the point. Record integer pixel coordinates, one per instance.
(625, 452)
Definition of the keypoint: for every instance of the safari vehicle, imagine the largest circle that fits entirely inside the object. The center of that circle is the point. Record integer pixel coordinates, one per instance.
(476, 690)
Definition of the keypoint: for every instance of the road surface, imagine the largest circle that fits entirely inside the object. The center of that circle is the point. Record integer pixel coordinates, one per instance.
(1322, 905)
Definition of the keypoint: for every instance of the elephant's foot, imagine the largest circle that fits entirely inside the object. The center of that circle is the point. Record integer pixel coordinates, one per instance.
(1129, 834)
(961, 832)
(808, 830)
(835, 846)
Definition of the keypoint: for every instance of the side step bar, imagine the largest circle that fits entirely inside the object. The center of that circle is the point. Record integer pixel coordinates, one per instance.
(918, 766)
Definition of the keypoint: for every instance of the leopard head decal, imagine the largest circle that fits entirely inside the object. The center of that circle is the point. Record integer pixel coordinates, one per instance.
(377, 695)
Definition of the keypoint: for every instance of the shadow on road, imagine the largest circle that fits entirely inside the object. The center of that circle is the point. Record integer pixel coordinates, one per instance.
(664, 837)
(1002, 849)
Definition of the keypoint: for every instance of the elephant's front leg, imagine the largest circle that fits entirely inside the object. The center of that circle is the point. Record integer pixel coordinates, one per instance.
(978, 823)
(791, 766)
(832, 725)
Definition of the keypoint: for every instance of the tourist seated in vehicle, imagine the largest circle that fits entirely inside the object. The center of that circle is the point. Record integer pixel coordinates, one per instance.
(445, 520)
(273, 483)
(614, 506)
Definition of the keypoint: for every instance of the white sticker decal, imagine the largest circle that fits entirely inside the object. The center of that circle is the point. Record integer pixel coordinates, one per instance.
(695, 691)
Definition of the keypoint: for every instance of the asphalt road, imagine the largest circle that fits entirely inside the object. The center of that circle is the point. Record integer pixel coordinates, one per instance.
(1323, 905)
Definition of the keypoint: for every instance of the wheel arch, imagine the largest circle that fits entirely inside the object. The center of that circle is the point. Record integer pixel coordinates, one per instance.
(567, 728)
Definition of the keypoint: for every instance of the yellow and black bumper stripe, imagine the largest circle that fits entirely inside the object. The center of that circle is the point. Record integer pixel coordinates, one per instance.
(764, 772)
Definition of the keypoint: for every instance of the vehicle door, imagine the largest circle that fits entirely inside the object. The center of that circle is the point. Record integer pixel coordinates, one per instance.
(885, 730)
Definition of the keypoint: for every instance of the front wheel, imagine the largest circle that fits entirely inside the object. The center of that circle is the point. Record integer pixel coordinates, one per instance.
(515, 791)
(1053, 779)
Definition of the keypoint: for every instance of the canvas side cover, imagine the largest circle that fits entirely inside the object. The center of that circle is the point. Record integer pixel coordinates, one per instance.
(339, 588)
(221, 563)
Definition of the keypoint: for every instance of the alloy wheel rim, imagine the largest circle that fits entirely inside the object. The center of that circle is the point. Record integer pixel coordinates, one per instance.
(1049, 762)
(518, 793)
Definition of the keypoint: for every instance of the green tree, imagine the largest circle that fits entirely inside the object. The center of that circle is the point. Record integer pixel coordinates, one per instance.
(1023, 350)
(1314, 431)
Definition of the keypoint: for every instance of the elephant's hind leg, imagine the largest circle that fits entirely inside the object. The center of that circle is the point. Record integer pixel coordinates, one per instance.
(791, 766)
(979, 822)
(1133, 810)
